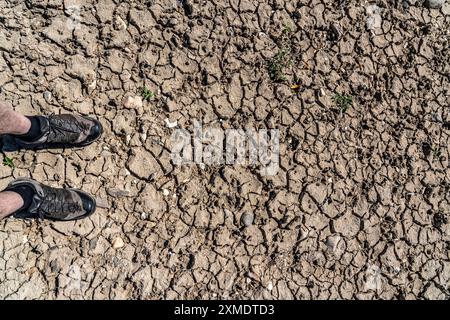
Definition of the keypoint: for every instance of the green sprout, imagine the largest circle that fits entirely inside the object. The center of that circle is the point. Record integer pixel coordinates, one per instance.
(147, 94)
(343, 102)
(8, 162)
(437, 153)
(278, 63)
(287, 29)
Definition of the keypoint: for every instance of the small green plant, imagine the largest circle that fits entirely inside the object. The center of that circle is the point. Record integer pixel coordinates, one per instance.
(8, 162)
(287, 29)
(147, 94)
(437, 153)
(278, 64)
(343, 102)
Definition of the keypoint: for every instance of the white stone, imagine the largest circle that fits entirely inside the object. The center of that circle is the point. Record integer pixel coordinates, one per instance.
(119, 24)
(373, 21)
(171, 124)
(118, 243)
(133, 102)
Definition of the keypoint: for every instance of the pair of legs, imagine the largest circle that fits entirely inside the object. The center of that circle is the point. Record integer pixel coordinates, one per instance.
(27, 198)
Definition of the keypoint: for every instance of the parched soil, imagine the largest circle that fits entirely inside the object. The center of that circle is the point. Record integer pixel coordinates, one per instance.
(358, 209)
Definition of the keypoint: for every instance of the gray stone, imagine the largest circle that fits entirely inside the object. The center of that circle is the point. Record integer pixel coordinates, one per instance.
(332, 242)
(117, 193)
(48, 96)
(434, 4)
(247, 219)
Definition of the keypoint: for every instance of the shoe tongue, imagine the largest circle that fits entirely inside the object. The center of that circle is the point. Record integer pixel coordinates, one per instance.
(79, 127)
(66, 130)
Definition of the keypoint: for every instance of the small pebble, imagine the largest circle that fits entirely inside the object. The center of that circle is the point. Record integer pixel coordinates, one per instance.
(247, 219)
(304, 233)
(118, 243)
(166, 192)
(173, 22)
(436, 117)
(332, 242)
(405, 5)
(93, 244)
(133, 102)
(119, 24)
(48, 96)
(171, 124)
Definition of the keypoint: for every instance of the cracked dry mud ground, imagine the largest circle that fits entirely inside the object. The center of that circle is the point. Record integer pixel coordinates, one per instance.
(359, 208)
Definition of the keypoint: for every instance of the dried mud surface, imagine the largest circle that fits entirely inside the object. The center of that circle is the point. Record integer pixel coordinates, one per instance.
(358, 209)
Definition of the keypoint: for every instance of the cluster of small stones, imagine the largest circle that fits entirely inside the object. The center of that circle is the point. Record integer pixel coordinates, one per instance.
(358, 209)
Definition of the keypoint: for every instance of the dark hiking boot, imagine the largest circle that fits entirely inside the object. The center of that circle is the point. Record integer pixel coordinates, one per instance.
(64, 131)
(52, 203)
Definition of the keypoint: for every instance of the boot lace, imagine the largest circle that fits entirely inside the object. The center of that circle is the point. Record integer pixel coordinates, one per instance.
(56, 202)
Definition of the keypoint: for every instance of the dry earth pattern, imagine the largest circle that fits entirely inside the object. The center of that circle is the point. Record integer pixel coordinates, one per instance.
(359, 207)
